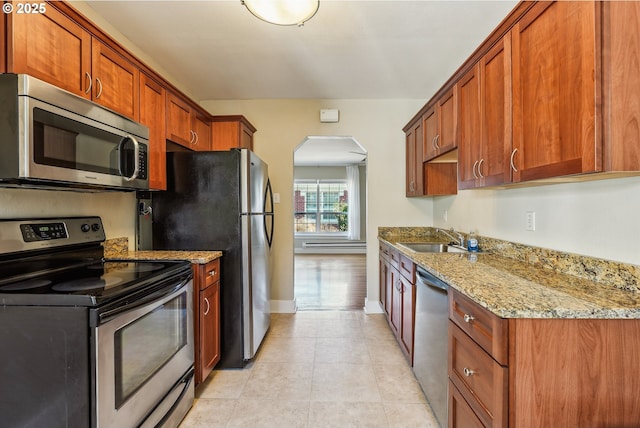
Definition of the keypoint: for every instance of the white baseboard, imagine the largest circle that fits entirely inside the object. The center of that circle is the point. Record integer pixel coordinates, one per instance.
(283, 306)
(372, 307)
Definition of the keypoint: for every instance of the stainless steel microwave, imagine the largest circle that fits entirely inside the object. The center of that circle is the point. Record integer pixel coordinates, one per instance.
(51, 137)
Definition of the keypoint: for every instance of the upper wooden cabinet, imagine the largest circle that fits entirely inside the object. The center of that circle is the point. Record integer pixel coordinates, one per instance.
(555, 66)
(115, 80)
(54, 48)
(414, 176)
(185, 126)
(484, 119)
(231, 132)
(153, 114)
(440, 126)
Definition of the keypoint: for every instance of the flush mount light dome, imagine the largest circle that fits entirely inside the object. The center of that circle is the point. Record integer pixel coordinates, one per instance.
(283, 12)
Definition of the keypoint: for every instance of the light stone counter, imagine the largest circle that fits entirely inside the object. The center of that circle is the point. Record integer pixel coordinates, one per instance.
(118, 248)
(542, 284)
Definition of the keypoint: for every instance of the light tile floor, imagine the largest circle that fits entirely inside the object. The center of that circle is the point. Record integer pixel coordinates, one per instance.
(317, 369)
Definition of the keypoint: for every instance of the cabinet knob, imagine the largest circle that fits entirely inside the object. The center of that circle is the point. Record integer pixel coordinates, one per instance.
(90, 80)
(212, 272)
(99, 82)
(206, 312)
(468, 372)
(513, 153)
(468, 318)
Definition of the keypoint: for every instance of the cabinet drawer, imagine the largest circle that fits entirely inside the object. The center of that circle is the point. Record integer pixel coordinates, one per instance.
(211, 273)
(384, 250)
(478, 377)
(488, 330)
(407, 268)
(460, 413)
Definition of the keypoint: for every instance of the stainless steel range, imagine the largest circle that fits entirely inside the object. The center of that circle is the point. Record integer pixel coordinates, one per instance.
(86, 341)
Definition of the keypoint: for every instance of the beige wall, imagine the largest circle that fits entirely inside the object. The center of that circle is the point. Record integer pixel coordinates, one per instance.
(377, 125)
(597, 218)
(117, 209)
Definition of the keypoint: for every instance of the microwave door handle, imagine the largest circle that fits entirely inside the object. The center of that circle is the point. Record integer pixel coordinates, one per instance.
(136, 157)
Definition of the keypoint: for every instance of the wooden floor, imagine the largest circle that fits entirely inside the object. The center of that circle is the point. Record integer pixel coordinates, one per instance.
(330, 281)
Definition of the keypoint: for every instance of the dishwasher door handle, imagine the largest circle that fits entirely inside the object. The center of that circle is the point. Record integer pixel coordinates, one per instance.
(435, 283)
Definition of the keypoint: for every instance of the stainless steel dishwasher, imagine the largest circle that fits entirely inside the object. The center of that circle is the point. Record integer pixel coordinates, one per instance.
(430, 346)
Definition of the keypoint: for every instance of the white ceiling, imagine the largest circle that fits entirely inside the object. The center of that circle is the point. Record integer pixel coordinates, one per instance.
(360, 49)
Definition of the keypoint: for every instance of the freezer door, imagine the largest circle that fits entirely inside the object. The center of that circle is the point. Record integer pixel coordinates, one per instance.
(257, 283)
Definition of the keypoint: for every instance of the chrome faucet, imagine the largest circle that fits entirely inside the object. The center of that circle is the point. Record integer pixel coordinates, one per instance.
(459, 239)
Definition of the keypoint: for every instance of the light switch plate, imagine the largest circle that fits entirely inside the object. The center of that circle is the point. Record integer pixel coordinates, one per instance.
(276, 198)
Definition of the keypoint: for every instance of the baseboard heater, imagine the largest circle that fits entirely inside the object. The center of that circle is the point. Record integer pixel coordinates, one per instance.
(334, 244)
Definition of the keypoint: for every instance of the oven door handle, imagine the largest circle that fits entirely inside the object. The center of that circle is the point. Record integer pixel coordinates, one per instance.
(107, 315)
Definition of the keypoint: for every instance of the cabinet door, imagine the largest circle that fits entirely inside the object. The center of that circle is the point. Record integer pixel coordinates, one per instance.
(152, 114)
(383, 285)
(469, 142)
(202, 130)
(430, 123)
(460, 414)
(179, 121)
(447, 126)
(554, 65)
(51, 47)
(408, 293)
(395, 315)
(209, 328)
(495, 98)
(115, 80)
(414, 177)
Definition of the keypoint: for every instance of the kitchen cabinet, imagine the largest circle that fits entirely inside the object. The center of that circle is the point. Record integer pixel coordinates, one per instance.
(540, 372)
(185, 126)
(386, 280)
(414, 175)
(440, 126)
(207, 318)
(397, 285)
(435, 177)
(54, 48)
(484, 112)
(152, 114)
(229, 132)
(556, 100)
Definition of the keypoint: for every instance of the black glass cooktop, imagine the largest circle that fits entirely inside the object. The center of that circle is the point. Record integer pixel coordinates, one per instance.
(89, 284)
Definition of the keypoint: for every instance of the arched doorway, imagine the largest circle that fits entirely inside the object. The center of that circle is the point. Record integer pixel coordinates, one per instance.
(329, 205)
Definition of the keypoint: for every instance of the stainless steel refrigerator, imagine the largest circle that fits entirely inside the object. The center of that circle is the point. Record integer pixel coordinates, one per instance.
(223, 201)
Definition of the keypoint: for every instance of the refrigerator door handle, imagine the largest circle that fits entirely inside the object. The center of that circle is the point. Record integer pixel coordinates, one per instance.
(268, 196)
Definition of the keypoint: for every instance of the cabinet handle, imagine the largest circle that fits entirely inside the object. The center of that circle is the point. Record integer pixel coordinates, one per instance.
(513, 153)
(468, 372)
(474, 169)
(480, 168)
(208, 307)
(99, 89)
(468, 318)
(196, 138)
(212, 272)
(437, 139)
(412, 186)
(193, 136)
(90, 80)
(433, 143)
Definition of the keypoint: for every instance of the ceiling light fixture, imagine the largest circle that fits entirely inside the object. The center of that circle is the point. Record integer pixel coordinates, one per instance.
(283, 12)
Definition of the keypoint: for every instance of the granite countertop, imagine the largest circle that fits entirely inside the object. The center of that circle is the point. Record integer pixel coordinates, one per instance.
(198, 257)
(118, 248)
(512, 288)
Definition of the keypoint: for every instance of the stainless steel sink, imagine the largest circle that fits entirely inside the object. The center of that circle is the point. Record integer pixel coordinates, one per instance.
(422, 247)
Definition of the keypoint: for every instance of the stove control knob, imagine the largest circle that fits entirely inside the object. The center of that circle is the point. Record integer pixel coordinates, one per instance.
(85, 227)
(95, 227)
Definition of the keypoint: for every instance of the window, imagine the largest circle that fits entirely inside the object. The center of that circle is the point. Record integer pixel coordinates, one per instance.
(320, 206)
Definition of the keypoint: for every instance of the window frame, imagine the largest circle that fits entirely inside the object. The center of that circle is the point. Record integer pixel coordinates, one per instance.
(318, 213)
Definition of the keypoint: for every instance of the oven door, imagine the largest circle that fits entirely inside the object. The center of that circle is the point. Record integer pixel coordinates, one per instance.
(141, 354)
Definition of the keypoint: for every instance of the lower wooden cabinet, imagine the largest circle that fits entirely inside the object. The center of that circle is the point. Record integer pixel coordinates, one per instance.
(397, 291)
(555, 372)
(207, 318)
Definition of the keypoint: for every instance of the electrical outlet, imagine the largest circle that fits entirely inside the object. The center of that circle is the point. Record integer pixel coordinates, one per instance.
(445, 216)
(530, 217)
